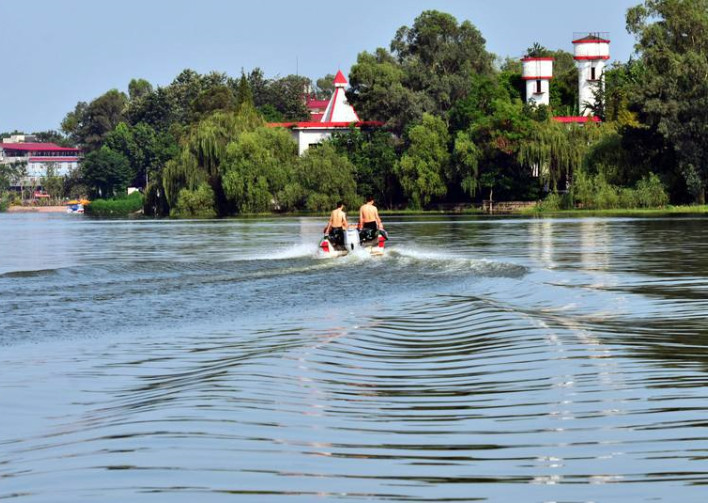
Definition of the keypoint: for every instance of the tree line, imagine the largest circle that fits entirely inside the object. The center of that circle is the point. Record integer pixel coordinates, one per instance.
(457, 128)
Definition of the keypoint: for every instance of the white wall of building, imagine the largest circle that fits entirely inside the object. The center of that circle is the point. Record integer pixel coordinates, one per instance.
(591, 55)
(592, 50)
(533, 68)
(537, 73)
(38, 169)
(590, 77)
(311, 136)
(538, 96)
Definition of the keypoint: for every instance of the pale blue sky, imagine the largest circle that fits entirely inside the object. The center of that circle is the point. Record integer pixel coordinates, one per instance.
(58, 52)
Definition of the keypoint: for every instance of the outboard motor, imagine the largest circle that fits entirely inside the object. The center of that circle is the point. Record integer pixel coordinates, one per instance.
(351, 240)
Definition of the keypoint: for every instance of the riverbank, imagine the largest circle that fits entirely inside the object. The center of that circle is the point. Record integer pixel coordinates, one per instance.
(36, 209)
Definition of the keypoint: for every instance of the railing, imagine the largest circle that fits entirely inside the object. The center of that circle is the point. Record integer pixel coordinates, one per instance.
(603, 35)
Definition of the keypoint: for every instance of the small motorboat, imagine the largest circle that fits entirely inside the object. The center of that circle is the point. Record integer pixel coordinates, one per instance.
(353, 241)
(74, 207)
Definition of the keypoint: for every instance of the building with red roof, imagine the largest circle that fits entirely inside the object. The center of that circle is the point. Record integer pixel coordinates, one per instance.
(338, 115)
(39, 157)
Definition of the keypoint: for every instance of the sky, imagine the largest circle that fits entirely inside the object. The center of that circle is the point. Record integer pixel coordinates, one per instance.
(56, 53)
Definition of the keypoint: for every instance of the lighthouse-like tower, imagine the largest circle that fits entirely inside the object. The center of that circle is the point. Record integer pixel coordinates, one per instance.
(537, 72)
(591, 54)
(339, 109)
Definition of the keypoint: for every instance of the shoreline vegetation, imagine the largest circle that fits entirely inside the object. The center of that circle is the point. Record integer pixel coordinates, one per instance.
(456, 131)
(133, 208)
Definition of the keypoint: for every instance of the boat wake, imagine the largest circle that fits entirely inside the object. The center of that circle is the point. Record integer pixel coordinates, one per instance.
(436, 261)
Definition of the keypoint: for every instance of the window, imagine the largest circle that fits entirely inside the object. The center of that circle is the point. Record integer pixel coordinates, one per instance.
(538, 87)
(592, 74)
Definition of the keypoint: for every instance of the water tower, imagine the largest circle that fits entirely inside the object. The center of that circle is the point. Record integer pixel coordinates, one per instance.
(537, 72)
(592, 50)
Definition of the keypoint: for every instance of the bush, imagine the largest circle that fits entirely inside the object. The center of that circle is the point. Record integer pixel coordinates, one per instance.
(628, 198)
(552, 202)
(198, 203)
(606, 196)
(651, 192)
(119, 206)
(594, 192)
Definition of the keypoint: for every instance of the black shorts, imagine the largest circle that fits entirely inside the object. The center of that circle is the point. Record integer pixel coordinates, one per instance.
(336, 234)
(370, 225)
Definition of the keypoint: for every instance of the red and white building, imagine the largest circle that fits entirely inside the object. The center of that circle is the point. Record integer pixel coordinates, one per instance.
(537, 72)
(591, 54)
(39, 157)
(338, 115)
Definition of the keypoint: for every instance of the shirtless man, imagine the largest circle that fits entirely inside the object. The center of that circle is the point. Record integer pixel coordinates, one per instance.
(369, 216)
(337, 223)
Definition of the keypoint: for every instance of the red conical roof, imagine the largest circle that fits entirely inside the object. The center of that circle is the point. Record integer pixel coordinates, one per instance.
(340, 78)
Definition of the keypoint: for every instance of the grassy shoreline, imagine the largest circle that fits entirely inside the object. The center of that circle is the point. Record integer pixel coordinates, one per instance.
(125, 208)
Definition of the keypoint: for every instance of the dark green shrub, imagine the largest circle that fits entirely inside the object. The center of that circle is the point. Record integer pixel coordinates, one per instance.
(651, 192)
(198, 203)
(552, 202)
(120, 206)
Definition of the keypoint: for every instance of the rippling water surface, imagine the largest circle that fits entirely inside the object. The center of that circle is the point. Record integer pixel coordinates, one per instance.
(482, 359)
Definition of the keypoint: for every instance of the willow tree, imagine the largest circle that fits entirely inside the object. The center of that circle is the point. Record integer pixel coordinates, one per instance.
(464, 167)
(203, 151)
(257, 168)
(321, 178)
(421, 169)
(555, 150)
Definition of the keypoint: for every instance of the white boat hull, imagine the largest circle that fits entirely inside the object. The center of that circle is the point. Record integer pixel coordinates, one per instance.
(352, 244)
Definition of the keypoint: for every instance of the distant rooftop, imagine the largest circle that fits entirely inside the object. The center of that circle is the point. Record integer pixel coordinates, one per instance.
(37, 147)
(598, 37)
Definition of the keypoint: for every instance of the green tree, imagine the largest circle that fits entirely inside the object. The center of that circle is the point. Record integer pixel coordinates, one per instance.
(52, 183)
(11, 173)
(325, 87)
(421, 169)
(564, 84)
(156, 109)
(672, 96)
(558, 150)
(217, 98)
(537, 51)
(498, 135)
(107, 172)
(71, 124)
(440, 56)
(244, 96)
(257, 167)
(378, 92)
(258, 85)
(286, 96)
(321, 178)
(373, 154)
(52, 137)
(197, 203)
(203, 152)
(89, 124)
(146, 149)
(464, 168)
(138, 88)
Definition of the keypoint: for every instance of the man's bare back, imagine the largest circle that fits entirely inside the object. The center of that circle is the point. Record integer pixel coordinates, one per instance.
(338, 218)
(368, 213)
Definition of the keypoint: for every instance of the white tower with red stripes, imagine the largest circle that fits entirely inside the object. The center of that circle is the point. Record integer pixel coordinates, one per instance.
(591, 54)
(537, 72)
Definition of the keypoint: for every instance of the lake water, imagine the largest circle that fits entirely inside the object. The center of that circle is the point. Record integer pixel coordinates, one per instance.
(482, 359)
